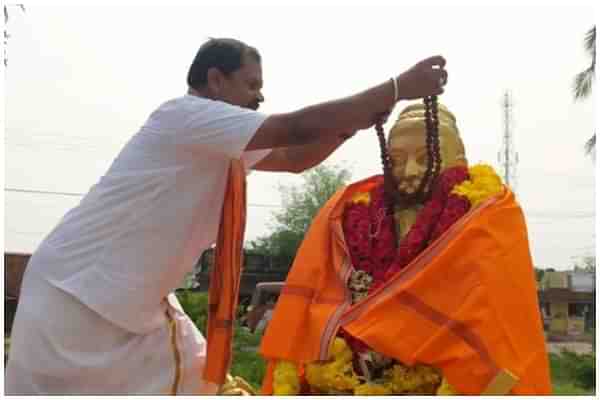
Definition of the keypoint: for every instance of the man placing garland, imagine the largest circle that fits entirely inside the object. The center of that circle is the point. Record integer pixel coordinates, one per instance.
(97, 313)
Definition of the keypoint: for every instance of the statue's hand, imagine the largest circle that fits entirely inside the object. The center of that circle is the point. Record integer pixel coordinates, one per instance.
(426, 78)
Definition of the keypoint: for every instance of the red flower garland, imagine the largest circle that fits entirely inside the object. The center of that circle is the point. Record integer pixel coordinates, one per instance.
(371, 239)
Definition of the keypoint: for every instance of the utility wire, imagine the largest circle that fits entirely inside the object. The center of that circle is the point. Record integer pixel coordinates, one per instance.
(529, 215)
(83, 194)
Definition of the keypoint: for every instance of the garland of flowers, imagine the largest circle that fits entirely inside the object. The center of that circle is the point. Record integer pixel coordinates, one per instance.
(370, 236)
(484, 183)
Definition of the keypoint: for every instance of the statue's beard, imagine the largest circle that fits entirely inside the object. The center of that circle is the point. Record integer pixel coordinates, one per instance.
(407, 192)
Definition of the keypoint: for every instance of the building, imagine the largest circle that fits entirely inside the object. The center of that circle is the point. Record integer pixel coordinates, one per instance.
(14, 268)
(568, 302)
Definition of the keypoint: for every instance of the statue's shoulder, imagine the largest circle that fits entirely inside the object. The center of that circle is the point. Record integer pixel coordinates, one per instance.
(363, 186)
(336, 205)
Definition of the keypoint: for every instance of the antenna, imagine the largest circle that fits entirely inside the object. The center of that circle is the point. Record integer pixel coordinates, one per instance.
(508, 156)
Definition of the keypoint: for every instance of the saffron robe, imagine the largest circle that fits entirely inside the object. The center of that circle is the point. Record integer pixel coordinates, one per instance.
(466, 305)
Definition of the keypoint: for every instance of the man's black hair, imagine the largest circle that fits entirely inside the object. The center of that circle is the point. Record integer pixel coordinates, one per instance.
(225, 54)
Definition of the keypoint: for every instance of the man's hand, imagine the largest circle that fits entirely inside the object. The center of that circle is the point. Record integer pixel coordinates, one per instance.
(346, 136)
(426, 78)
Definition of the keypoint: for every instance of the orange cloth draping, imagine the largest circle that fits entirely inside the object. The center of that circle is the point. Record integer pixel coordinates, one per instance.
(225, 276)
(467, 304)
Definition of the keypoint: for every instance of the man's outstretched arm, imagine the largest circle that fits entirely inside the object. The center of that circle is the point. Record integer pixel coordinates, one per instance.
(318, 122)
(297, 159)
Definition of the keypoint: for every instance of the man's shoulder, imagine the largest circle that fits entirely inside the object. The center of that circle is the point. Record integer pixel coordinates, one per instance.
(196, 106)
(183, 103)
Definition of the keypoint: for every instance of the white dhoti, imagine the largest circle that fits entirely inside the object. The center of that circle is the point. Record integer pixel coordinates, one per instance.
(60, 346)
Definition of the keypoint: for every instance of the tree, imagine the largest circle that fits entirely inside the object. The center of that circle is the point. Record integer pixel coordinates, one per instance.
(586, 264)
(6, 34)
(582, 85)
(539, 274)
(300, 205)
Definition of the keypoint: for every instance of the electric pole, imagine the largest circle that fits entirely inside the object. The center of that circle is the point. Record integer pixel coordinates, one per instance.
(508, 156)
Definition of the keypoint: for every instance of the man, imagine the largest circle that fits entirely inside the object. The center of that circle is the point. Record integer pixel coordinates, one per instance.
(96, 315)
(427, 288)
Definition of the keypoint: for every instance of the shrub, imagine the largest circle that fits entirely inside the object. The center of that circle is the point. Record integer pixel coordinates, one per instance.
(577, 369)
(246, 362)
(195, 305)
(568, 388)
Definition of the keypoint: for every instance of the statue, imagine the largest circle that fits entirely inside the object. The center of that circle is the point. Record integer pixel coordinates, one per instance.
(417, 281)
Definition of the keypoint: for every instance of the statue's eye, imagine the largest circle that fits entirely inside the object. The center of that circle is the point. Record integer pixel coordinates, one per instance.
(398, 159)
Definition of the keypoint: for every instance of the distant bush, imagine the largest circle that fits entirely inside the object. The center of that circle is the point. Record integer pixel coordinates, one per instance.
(247, 363)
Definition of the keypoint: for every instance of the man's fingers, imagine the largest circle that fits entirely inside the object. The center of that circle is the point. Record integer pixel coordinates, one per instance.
(434, 61)
(444, 76)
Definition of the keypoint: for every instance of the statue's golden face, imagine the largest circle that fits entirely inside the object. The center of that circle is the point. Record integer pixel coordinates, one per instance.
(408, 152)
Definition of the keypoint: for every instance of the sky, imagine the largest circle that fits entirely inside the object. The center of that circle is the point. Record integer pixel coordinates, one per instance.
(81, 80)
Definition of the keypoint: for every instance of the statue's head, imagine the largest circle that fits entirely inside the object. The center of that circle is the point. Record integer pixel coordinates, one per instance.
(407, 147)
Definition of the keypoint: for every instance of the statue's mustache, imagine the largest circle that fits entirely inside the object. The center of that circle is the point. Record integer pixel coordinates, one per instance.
(409, 182)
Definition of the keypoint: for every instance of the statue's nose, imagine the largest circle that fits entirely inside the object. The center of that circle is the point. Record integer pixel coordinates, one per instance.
(413, 168)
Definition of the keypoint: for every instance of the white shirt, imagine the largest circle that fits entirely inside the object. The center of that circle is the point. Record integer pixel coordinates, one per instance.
(142, 227)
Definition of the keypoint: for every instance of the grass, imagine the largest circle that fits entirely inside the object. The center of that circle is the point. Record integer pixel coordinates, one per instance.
(573, 374)
(247, 363)
(569, 389)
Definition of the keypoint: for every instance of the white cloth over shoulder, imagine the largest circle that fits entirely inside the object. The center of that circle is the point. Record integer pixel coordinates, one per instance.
(131, 240)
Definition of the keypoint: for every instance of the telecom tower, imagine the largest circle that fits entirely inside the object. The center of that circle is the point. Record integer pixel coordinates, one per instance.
(508, 156)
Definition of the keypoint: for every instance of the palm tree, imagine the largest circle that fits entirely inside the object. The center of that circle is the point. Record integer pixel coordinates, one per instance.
(582, 84)
(6, 35)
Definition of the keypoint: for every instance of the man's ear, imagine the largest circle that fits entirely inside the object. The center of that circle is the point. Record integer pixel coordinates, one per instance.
(214, 80)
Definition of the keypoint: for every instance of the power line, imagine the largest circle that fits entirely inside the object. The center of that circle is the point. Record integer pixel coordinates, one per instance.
(43, 192)
(529, 215)
(83, 194)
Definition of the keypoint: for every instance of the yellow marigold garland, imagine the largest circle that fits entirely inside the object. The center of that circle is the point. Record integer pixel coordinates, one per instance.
(483, 184)
(415, 379)
(446, 389)
(361, 197)
(372, 389)
(336, 375)
(285, 379)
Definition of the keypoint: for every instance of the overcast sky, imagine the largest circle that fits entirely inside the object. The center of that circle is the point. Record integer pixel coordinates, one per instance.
(82, 80)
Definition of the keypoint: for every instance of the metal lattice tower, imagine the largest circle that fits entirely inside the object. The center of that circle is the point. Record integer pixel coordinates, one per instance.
(508, 156)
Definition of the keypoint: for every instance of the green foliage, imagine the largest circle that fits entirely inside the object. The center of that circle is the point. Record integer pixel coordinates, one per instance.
(568, 389)
(583, 82)
(195, 305)
(570, 369)
(247, 363)
(301, 204)
(539, 274)
(586, 264)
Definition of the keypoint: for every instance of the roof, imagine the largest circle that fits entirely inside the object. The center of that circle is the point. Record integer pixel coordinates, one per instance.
(576, 281)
